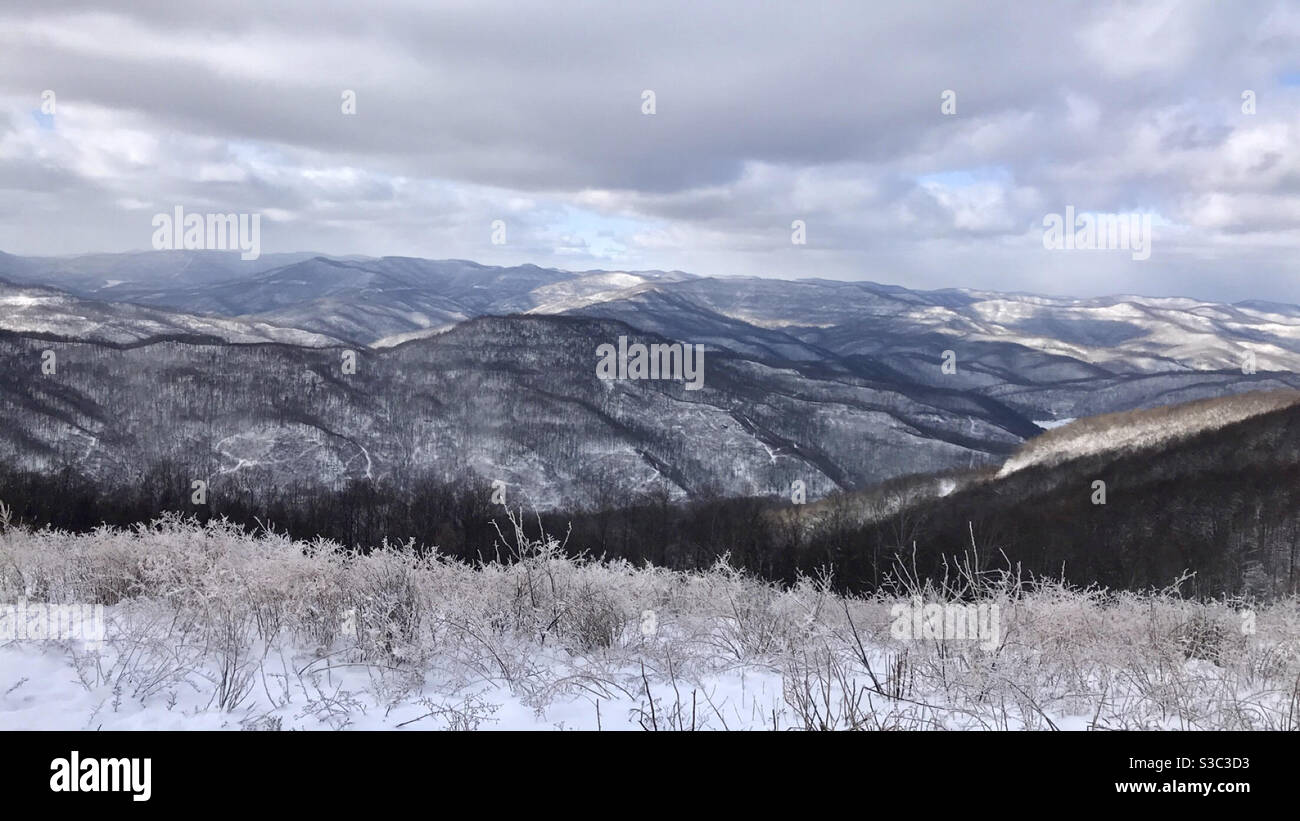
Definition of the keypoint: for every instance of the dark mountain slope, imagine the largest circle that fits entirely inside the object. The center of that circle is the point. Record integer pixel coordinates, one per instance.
(1222, 501)
(510, 398)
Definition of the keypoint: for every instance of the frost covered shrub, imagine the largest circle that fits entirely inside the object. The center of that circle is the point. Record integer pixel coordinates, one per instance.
(751, 618)
(386, 604)
(591, 618)
(210, 607)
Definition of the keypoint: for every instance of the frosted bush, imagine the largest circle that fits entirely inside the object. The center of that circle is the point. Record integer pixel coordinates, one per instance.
(266, 628)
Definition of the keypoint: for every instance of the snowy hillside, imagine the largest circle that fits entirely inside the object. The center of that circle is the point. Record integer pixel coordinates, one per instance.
(46, 312)
(515, 399)
(1125, 334)
(1142, 429)
(398, 298)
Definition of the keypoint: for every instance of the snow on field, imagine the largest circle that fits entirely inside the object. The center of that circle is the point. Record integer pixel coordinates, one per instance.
(210, 628)
(45, 690)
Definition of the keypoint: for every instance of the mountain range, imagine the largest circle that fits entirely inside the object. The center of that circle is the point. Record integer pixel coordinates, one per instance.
(236, 369)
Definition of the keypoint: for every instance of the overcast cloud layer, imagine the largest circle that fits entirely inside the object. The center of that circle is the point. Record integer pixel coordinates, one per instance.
(766, 113)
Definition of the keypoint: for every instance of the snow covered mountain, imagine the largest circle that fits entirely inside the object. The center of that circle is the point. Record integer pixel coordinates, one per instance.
(49, 313)
(363, 300)
(515, 399)
(1071, 338)
(997, 338)
(840, 384)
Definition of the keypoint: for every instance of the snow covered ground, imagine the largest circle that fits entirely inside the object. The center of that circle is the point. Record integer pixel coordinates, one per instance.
(299, 690)
(209, 628)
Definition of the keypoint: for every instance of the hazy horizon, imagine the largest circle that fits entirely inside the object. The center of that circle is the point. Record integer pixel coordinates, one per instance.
(1053, 293)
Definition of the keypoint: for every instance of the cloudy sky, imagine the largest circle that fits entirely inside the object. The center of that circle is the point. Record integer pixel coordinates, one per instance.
(765, 113)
